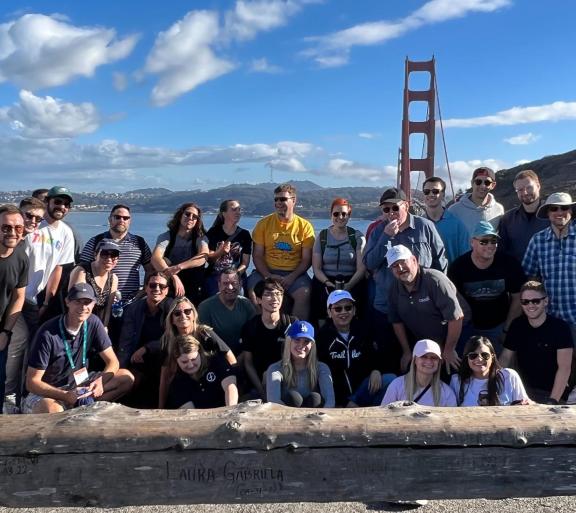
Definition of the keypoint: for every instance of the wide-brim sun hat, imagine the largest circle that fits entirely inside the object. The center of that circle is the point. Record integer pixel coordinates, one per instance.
(560, 199)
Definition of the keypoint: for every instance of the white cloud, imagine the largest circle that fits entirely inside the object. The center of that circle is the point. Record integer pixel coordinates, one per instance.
(333, 50)
(461, 171)
(48, 117)
(556, 111)
(263, 66)
(120, 81)
(290, 164)
(528, 138)
(349, 169)
(368, 135)
(44, 51)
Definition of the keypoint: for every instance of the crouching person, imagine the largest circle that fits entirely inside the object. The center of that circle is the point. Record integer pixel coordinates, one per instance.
(58, 377)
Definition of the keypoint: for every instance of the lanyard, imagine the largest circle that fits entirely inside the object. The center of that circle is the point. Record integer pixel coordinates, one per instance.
(67, 345)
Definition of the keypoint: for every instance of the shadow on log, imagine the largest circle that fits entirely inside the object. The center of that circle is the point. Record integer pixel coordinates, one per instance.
(108, 455)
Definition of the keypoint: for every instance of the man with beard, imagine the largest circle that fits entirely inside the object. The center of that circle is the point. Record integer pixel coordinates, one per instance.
(519, 224)
(13, 278)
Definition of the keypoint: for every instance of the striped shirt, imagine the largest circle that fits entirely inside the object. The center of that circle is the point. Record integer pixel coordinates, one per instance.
(553, 260)
(134, 252)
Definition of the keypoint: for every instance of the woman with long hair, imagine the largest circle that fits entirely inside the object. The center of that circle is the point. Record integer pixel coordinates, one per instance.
(201, 379)
(422, 383)
(299, 379)
(230, 246)
(182, 319)
(181, 252)
(482, 381)
(99, 275)
(337, 258)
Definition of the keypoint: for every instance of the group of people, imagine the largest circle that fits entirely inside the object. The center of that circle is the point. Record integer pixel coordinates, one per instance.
(464, 305)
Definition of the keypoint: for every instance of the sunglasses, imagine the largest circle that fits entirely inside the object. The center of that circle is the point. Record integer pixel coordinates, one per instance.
(343, 215)
(485, 242)
(485, 356)
(434, 192)
(345, 308)
(535, 301)
(113, 255)
(271, 294)
(192, 215)
(32, 217)
(555, 208)
(59, 202)
(18, 229)
(185, 311)
(487, 183)
(394, 208)
(282, 199)
(121, 218)
(235, 209)
(161, 286)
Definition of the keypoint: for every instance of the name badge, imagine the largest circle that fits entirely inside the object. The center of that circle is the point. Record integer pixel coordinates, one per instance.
(80, 376)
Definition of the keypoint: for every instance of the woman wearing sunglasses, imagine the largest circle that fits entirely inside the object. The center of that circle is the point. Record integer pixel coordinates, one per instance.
(182, 319)
(422, 383)
(201, 379)
(299, 379)
(482, 381)
(181, 252)
(337, 258)
(98, 273)
(230, 246)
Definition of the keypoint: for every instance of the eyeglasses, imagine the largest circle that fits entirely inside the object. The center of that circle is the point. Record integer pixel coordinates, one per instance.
(161, 286)
(529, 189)
(434, 192)
(192, 215)
(485, 356)
(112, 255)
(343, 215)
(485, 242)
(340, 309)
(18, 229)
(185, 311)
(394, 208)
(272, 294)
(32, 217)
(535, 301)
(555, 208)
(59, 202)
(487, 183)
(282, 199)
(121, 218)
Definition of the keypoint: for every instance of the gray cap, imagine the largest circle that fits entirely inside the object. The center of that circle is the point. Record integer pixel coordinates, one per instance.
(107, 245)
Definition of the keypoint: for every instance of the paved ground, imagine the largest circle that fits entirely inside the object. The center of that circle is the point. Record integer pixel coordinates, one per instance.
(539, 505)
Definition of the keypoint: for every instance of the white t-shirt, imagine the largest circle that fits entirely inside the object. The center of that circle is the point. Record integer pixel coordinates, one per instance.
(397, 392)
(477, 389)
(47, 247)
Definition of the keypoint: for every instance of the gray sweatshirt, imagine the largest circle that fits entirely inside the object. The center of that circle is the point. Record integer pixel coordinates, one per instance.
(471, 214)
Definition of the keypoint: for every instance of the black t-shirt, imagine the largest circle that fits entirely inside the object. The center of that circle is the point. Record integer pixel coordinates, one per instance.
(265, 344)
(241, 243)
(13, 275)
(487, 290)
(536, 349)
(207, 392)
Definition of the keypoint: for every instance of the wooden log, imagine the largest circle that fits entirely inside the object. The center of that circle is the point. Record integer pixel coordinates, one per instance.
(108, 455)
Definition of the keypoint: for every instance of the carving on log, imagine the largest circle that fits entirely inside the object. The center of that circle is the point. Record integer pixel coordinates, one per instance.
(108, 455)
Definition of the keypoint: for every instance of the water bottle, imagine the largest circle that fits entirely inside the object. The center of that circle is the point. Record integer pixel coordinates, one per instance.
(117, 308)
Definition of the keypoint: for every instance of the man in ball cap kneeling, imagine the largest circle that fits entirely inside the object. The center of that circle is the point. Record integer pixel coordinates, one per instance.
(58, 377)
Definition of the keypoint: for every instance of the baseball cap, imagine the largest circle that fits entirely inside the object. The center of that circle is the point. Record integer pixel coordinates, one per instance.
(301, 329)
(426, 346)
(107, 245)
(484, 171)
(58, 190)
(81, 291)
(392, 195)
(338, 295)
(484, 228)
(398, 252)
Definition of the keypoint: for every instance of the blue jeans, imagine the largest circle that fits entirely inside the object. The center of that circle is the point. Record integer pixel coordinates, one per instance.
(363, 397)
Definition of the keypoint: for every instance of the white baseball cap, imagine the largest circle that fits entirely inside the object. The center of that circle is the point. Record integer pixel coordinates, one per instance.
(426, 346)
(338, 295)
(399, 252)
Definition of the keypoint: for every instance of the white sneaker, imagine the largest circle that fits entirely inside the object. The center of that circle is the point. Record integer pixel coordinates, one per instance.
(571, 397)
(10, 407)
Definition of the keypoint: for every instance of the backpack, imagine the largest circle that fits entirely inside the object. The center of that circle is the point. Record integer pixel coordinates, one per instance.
(323, 235)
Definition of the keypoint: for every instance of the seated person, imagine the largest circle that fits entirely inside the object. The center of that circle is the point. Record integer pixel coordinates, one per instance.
(299, 379)
(58, 376)
(351, 355)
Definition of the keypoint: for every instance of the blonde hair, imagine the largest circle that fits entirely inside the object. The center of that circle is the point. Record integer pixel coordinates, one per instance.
(411, 385)
(288, 371)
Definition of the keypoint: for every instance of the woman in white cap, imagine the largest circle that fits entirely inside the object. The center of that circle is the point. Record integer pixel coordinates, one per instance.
(299, 379)
(422, 383)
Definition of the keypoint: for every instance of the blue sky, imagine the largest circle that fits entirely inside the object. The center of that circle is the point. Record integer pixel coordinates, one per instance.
(123, 95)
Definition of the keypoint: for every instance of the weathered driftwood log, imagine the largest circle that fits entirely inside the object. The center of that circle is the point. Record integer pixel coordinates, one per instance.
(109, 455)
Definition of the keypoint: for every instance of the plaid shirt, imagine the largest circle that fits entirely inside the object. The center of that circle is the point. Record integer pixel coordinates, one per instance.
(553, 260)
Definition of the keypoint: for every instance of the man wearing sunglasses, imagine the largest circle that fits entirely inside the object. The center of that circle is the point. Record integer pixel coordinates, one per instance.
(453, 232)
(542, 345)
(551, 256)
(480, 204)
(13, 279)
(490, 282)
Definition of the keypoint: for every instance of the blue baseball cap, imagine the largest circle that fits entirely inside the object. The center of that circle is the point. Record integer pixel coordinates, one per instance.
(484, 228)
(301, 329)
